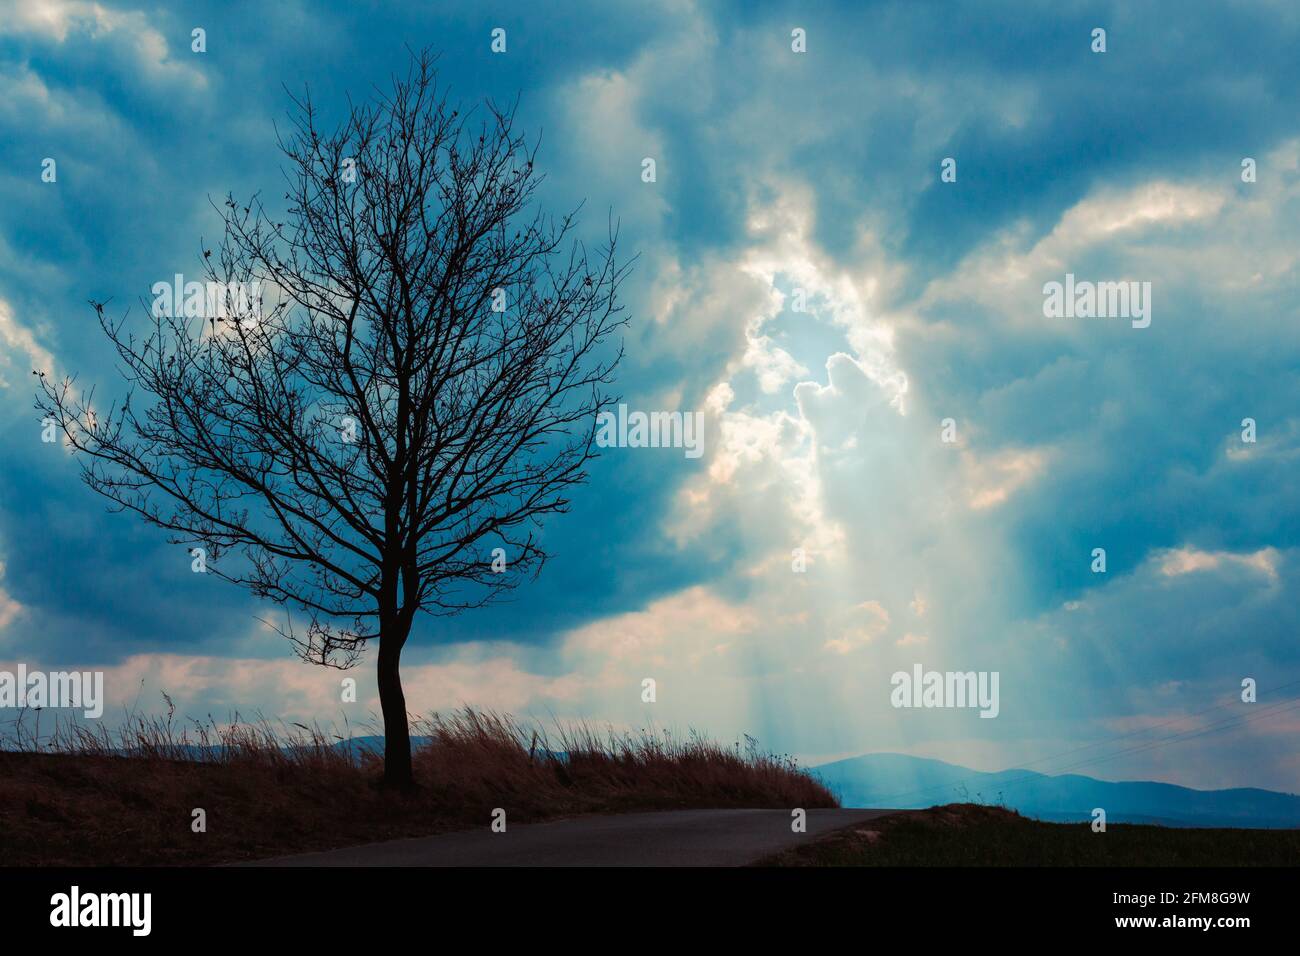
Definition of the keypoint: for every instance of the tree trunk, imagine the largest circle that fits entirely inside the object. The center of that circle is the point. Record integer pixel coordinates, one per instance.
(392, 702)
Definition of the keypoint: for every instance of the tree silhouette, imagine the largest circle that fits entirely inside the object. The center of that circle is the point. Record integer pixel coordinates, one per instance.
(413, 383)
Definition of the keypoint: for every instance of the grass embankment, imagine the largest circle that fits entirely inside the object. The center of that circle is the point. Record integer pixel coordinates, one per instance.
(967, 834)
(75, 800)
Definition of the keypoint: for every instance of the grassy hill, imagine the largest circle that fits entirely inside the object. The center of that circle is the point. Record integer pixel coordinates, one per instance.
(129, 799)
(976, 835)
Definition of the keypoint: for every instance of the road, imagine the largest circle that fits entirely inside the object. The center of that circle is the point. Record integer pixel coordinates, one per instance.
(667, 838)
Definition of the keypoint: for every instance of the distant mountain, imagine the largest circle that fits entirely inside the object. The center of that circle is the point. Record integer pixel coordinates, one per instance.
(371, 744)
(897, 780)
(374, 744)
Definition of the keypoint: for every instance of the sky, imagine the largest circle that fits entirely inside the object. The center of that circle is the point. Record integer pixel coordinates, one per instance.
(783, 178)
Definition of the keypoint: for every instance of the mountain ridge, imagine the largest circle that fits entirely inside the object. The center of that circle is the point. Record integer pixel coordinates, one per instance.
(906, 782)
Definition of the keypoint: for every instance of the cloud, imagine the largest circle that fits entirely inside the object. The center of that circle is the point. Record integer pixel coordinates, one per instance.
(130, 31)
(1001, 277)
(678, 630)
(289, 690)
(20, 352)
(1190, 560)
(874, 621)
(920, 301)
(994, 480)
(9, 608)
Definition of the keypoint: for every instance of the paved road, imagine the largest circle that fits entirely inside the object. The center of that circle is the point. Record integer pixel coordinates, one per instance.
(668, 838)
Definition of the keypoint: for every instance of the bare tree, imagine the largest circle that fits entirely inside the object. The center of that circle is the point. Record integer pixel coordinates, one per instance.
(378, 387)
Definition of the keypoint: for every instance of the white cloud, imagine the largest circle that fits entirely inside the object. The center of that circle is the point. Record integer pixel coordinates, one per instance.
(773, 365)
(20, 352)
(1193, 234)
(292, 690)
(681, 629)
(9, 608)
(869, 621)
(142, 44)
(993, 479)
(1187, 560)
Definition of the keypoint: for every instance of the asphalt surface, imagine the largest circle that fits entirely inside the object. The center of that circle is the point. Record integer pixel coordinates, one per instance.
(666, 838)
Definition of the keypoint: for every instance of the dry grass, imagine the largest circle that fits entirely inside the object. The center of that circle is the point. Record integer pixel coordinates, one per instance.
(87, 795)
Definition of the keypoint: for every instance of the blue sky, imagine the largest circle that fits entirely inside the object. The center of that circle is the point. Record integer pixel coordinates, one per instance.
(776, 171)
